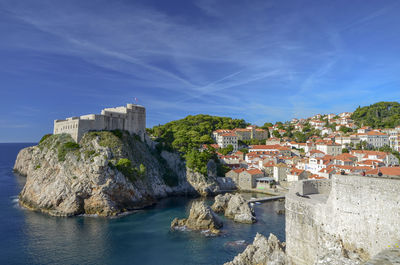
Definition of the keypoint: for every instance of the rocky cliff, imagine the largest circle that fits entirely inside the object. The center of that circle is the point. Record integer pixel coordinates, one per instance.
(106, 173)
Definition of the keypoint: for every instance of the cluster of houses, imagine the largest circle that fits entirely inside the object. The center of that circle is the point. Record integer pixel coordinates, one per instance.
(224, 138)
(283, 161)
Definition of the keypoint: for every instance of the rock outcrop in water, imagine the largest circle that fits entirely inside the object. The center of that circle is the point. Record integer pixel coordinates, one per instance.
(263, 251)
(221, 202)
(234, 207)
(106, 174)
(201, 217)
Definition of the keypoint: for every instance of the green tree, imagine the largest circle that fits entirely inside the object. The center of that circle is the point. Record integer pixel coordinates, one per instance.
(378, 115)
(192, 131)
(267, 125)
(345, 129)
(276, 134)
(244, 150)
(226, 150)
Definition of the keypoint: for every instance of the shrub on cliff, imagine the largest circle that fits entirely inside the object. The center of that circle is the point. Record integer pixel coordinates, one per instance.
(45, 137)
(124, 166)
(64, 148)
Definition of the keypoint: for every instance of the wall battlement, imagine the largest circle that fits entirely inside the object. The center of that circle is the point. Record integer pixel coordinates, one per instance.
(311, 186)
(355, 214)
(131, 118)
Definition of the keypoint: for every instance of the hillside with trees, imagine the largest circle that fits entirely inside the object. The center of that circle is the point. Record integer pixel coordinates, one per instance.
(186, 135)
(378, 115)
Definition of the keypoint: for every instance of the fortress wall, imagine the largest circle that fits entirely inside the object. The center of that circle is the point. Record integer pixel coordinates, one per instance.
(69, 126)
(308, 187)
(301, 230)
(361, 215)
(365, 212)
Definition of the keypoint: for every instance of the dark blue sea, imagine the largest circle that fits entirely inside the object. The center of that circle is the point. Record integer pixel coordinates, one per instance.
(141, 238)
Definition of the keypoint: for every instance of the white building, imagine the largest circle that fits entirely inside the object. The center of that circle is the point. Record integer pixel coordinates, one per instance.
(394, 138)
(225, 139)
(331, 116)
(318, 125)
(326, 131)
(329, 148)
(131, 118)
(374, 138)
(387, 158)
(315, 165)
(346, 141)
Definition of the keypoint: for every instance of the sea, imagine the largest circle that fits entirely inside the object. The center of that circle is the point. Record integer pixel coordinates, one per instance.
(142, 237)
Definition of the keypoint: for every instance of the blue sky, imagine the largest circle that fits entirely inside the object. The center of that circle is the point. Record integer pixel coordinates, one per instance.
(257, 60)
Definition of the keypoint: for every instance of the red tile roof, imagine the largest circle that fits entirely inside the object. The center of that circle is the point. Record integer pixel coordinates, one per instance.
(389, 171)
(254, 171)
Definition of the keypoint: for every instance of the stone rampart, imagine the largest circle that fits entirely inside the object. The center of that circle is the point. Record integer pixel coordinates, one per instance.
(357, 216)
(308, 187)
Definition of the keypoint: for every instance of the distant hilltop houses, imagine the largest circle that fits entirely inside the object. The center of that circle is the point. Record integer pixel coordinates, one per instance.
(131, 118)
(334, 145)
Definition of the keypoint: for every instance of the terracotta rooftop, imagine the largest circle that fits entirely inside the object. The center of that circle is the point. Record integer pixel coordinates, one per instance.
(389, 171)
(254, 171)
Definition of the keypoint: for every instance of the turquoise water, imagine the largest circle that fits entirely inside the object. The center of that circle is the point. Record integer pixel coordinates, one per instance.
(140, 238)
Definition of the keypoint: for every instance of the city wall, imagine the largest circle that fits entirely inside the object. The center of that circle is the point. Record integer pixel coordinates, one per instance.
(355, 215)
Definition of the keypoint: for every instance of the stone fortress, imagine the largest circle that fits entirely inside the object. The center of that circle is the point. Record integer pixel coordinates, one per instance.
(355, 217)
(131, 118)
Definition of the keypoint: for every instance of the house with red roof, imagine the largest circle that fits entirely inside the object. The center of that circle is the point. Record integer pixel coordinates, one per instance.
(345, 159)
(295, 174)
(315, 154)
(328, 147)
(374, 138)
(387, 158)
(247, 178)
(234, 174)
(224, 139)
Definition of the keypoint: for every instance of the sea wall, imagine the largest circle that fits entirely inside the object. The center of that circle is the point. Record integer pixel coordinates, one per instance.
(355, 218)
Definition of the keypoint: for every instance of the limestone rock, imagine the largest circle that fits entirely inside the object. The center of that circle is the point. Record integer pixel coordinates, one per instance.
(234, 207)
(64, 180)
(204, 185)
(221, 202)
(388, 256)
(201, 217)
(263, 251)
(239, 210)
